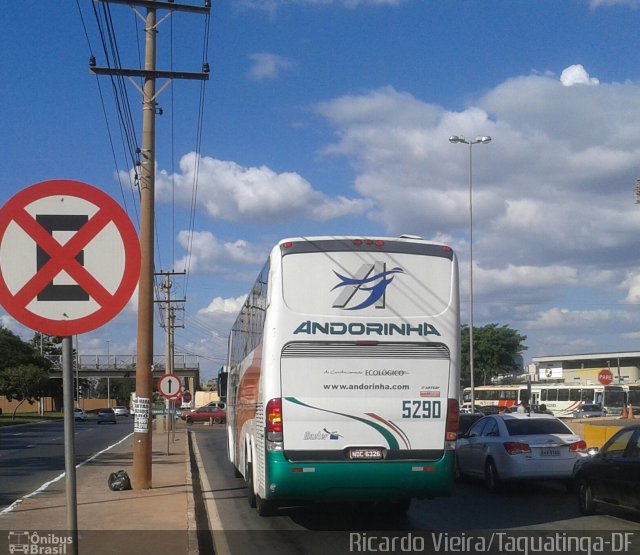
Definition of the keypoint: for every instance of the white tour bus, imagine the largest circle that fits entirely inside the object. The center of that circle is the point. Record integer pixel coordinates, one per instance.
(561, 399)
(343, 376)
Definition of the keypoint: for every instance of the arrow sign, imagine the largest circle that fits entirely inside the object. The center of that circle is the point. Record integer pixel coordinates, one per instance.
(69, 257)
(170, 386)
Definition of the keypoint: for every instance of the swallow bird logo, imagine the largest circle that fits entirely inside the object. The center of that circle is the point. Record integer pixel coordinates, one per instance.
(371, 278)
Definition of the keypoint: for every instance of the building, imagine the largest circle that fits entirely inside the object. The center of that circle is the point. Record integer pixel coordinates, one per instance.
(587, 369)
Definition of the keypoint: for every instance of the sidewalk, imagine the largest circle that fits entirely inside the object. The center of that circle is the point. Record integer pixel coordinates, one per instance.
(161, 519)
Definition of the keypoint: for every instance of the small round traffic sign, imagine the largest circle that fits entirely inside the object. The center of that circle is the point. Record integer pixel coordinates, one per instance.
(69, 257)
(170, 386)
(605, 376)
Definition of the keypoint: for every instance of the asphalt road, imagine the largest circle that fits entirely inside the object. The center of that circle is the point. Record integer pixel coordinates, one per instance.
(539, 506)
(33, 454)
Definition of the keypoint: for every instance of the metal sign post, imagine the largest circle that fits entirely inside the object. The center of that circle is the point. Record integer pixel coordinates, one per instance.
(69, 442)
(170, 387)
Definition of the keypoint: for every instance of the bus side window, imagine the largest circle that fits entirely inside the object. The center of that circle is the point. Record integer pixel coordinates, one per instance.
(587, 395)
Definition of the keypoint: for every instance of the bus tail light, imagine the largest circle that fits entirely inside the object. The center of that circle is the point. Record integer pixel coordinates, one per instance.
(516, 448)
(453, 415)
(578, 447)
(273, 418)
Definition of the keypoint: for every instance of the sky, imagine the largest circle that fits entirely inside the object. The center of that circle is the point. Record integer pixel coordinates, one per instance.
(329, 117)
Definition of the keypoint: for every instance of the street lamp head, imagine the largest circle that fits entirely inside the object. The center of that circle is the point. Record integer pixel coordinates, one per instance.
(484, 140)
(456, 139)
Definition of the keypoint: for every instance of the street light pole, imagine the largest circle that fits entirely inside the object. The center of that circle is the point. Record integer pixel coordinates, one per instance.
(478, 140)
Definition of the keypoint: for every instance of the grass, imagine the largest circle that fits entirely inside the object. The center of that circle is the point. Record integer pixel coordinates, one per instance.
(28, 417)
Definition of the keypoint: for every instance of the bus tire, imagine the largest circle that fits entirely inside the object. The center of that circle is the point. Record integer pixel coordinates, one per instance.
(236, 472)
(265, 507)
(491, 478)
(457, 473)
(251, 494)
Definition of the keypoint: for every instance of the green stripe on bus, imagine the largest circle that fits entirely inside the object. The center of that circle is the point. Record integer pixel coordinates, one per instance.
(391, 440)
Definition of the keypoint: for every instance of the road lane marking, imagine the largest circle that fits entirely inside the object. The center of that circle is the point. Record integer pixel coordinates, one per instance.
(44, 486)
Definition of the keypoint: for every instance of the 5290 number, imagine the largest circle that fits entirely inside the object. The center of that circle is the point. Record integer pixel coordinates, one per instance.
(421, 409)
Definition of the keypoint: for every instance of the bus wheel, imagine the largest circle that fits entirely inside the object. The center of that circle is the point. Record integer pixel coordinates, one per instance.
(457, 474)
(251, 494)
(264, 507)
(236, 472)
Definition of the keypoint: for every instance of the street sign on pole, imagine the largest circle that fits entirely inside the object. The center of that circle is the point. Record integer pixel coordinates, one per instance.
(69, 258)
(170, 386)
(69, 263)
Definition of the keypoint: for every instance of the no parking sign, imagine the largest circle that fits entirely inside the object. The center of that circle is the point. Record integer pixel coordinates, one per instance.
(69, 257)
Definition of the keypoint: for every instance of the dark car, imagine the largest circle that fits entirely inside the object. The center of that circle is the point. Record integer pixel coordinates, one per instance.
(107, 415)
(611, 477)
(205, 414)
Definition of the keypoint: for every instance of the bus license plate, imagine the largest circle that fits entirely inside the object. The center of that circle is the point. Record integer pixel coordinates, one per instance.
(365, 454)
(549, 452)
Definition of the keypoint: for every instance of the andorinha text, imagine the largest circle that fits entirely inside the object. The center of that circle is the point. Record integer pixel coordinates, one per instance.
(369, 328)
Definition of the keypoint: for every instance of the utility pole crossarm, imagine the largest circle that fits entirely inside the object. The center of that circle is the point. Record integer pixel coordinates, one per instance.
(147, 74)
(164, 5)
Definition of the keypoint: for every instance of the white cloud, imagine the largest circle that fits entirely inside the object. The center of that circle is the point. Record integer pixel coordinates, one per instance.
(266, 66)
(513, 278)
(553, 206)
(577, 75)
(632, 285)
(224, 307)
(230, 192)
(210, 256)
(561, 318)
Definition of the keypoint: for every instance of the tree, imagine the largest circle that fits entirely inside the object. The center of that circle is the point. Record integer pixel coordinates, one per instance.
(496, 350)
(23, 383)
(15, 352)
(119, 389)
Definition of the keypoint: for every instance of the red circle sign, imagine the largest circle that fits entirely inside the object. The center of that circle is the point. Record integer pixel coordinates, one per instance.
(605, 376)
(69, 257)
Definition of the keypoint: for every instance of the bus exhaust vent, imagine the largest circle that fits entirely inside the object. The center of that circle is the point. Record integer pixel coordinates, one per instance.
(365, 350)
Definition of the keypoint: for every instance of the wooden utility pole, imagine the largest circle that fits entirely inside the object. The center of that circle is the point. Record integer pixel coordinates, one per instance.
(169, 328)
(142, 442)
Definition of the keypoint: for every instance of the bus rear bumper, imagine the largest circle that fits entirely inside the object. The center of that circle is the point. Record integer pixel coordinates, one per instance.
(358, 481)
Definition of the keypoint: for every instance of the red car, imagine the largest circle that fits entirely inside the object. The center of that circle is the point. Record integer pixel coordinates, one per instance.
(205, 414)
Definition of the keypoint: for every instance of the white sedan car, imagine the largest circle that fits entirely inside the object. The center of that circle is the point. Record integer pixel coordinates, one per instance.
(518, 447)
(79, 414)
